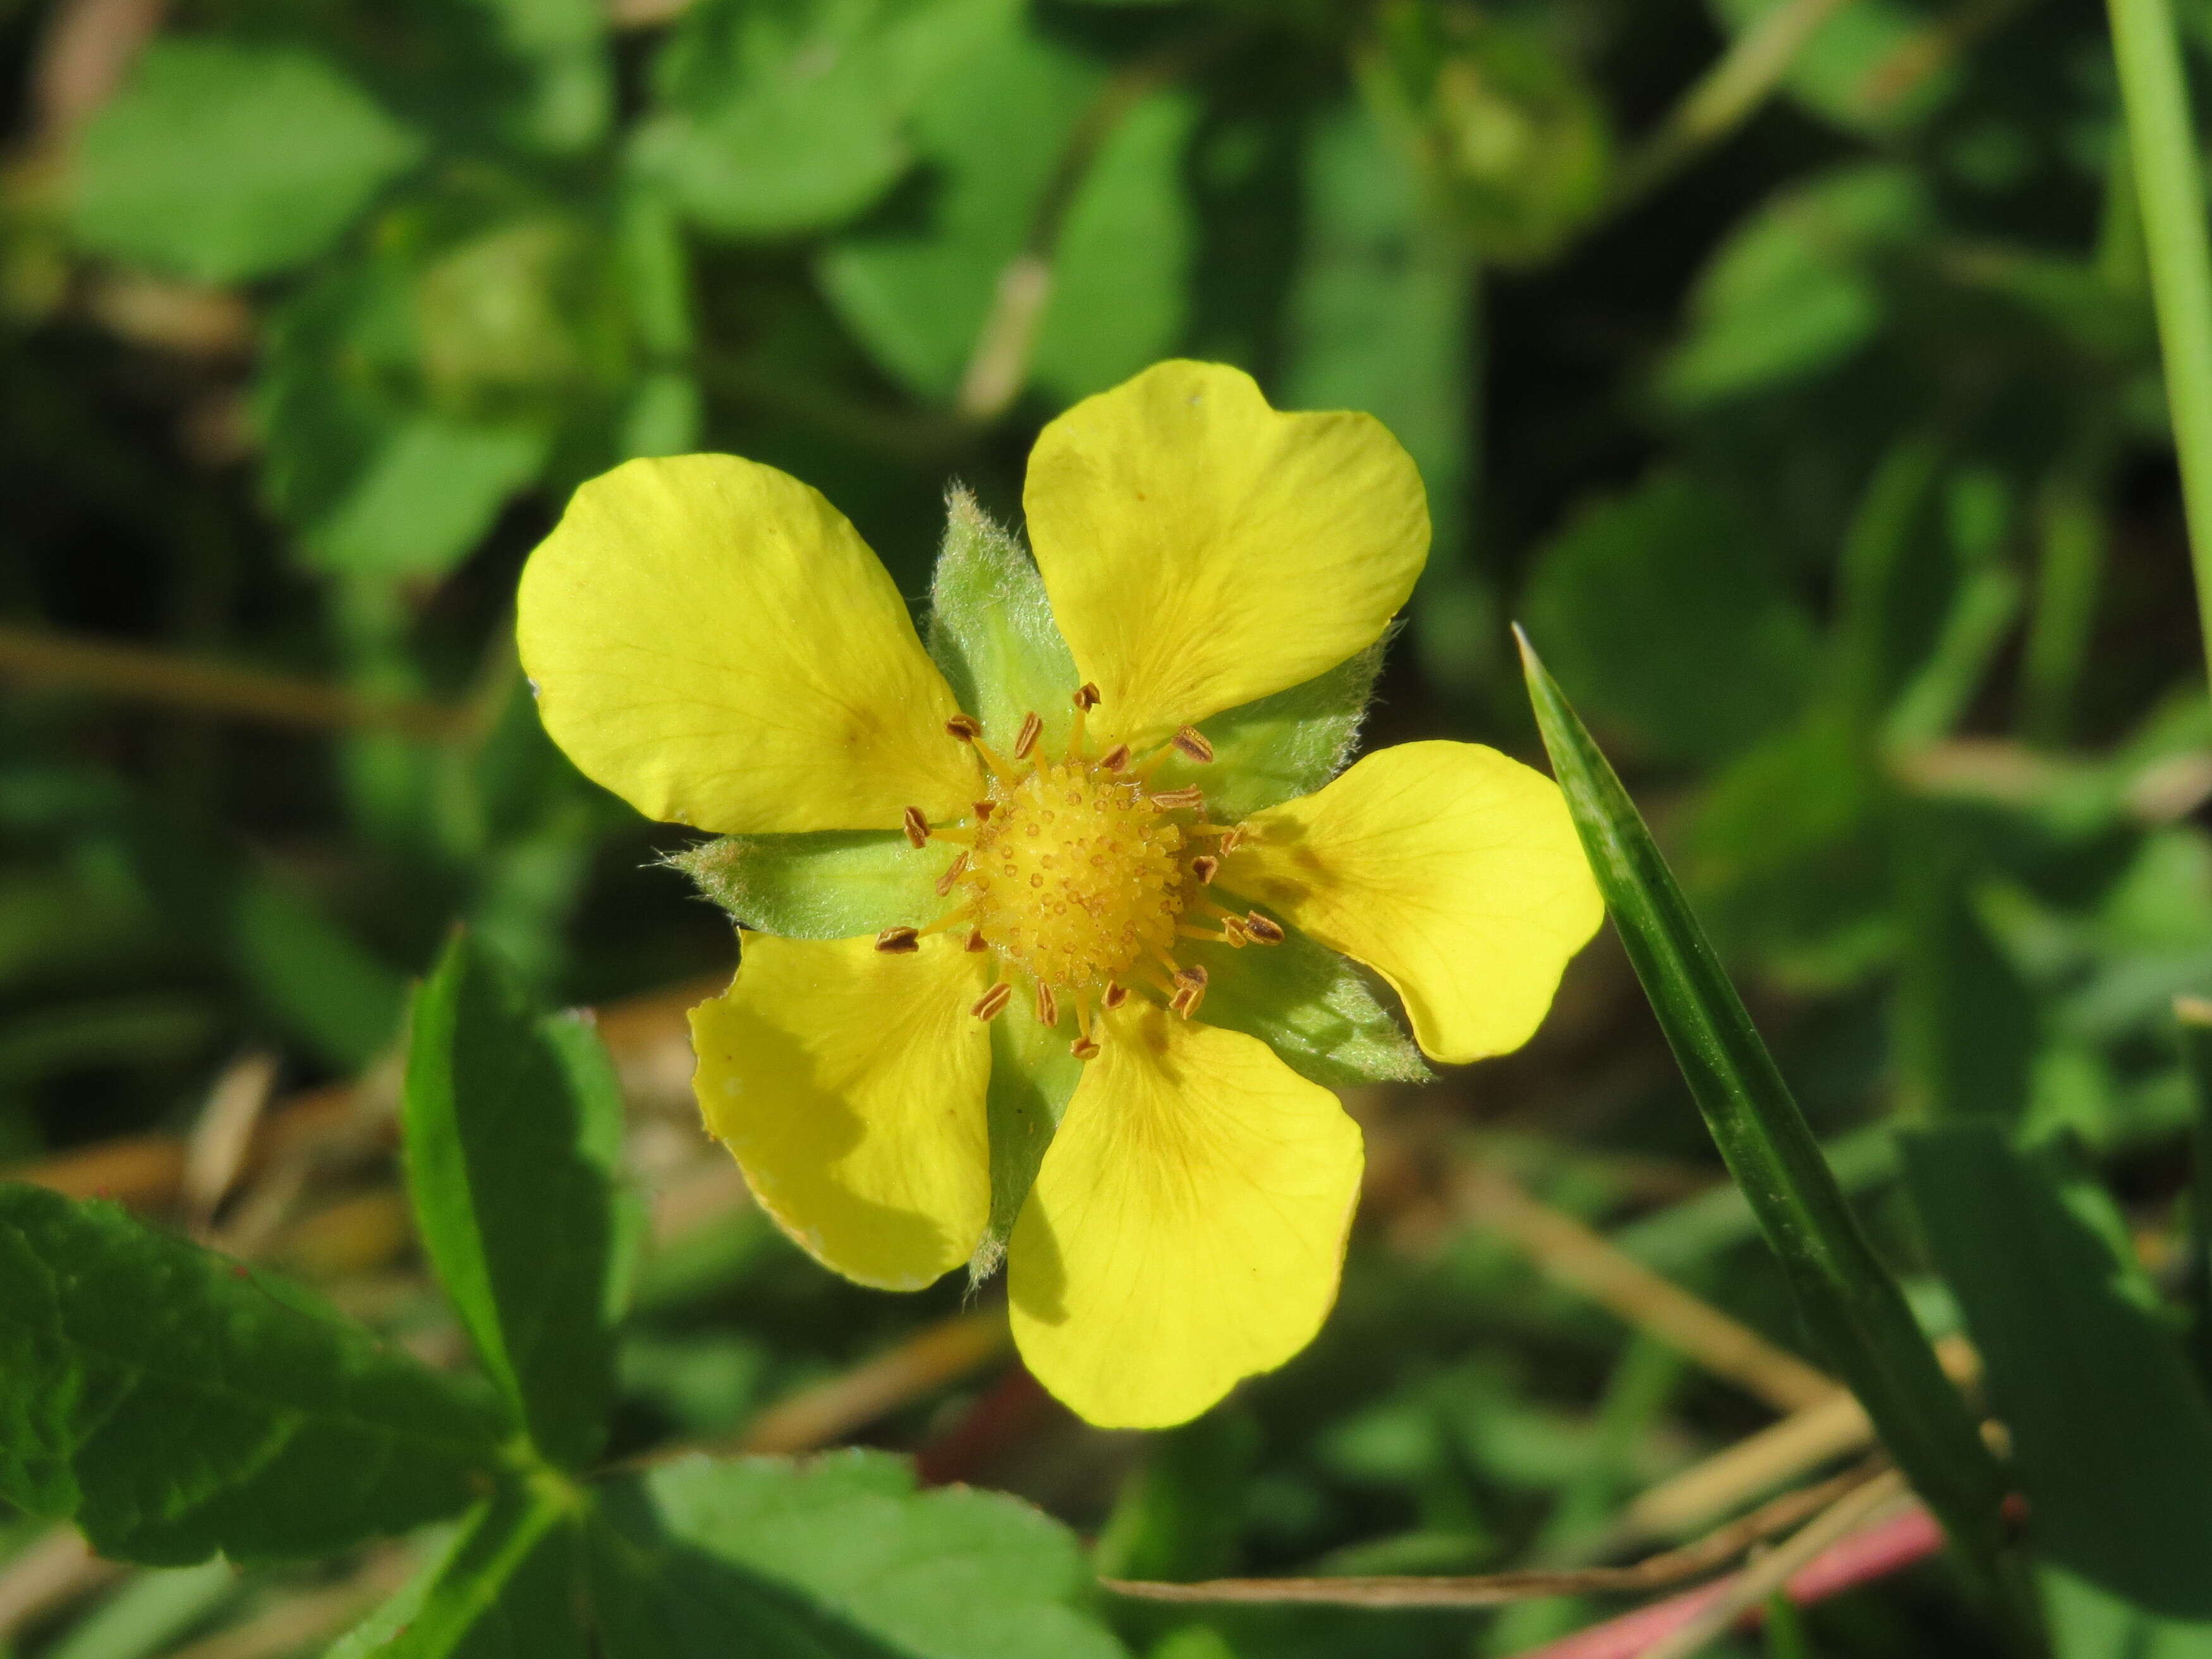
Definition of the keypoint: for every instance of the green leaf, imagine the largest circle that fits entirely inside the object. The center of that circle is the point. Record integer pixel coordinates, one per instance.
(222, 161)
(1279, 748)
(1792, 292)
(513, 1137)
(788, 116)
(506, 1588)
(568, 91)
(824, 884)
(991, 629)
(1859, 1319)
(1378, 317)
(149, 1614)
(2090, 1623)
(1848, 71)
(839, 1557)
(2111, 1434)
(427, 493)
(173, 1403)
(1658, 612)
(1311, 1006)
(1033, 1076)
(917, 283)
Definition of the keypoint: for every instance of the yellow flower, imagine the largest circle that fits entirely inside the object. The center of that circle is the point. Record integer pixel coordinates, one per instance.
(1041, 918)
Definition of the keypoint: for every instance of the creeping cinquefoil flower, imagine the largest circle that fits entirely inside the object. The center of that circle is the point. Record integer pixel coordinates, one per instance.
(1043, 920)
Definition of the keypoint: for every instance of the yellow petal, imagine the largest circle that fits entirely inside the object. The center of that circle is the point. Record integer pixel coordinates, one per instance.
(849, 1083)
(1448, 868)
(1186, 1227)
(1203, 550)
(713, 641)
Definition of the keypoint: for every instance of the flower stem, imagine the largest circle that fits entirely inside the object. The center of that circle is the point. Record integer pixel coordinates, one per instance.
(2171, 194)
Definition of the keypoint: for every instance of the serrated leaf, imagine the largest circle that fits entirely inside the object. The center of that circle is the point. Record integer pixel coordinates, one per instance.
(221, 161)
(789, 116)
(825, 884)
(1311, 1006)
(2111, 1432)
(506, 1588)
(174, 1403)
(1857, 1315)
(917, 283)
(839, 1557)
(991, 629)
(1658, 614)
(513, 1127)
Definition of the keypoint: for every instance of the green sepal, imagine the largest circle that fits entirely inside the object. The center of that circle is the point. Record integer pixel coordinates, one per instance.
(1310, 1006)
(991, 629)
(1032, 1075)
(826, 884)
(1280, 747)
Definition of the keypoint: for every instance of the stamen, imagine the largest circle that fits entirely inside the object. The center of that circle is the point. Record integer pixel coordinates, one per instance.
(1205, 867)
(1115, 759)
(899, 941)
(916, 826)
(950, 920)
(1192, 744)
(1115, 994)
(952, 873)
(958, 837)
(1190, 991)
(1084, 1049)
(975, 939)
(994, 1002)
(1170, 800)
(969, 731)
(984, 809)
(1083, 1046)
(1032, 729)
(1264, 931)
(1048, 1005)
(966, 727)
(1086, 697)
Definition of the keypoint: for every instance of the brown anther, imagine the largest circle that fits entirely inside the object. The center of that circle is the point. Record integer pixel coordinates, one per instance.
(1048, 1005)
(952, 873)
(1187, 998)
(1193, 745)
(988, 1005)
(898, 941)
(1114, 996)
(1205, 866)
(1084, 1049)
(1169, 800)
(1194, 974)
(1263, 931)
(916, 826)
(975, 941)
(1234, 930)
(1032, 729)
(1116, 758)
(1230, 837)
(966, 727)
(1086, 697)
(984, 809)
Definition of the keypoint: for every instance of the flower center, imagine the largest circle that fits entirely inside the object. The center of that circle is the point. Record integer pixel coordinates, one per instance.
(1081, 874)
(1074, 876)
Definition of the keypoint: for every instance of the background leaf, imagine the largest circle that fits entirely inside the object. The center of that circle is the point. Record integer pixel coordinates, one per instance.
(175, 1404)
(514, 1133)
(180, 172)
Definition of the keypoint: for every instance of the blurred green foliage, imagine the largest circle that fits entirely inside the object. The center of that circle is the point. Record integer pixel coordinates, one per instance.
(1819, 442)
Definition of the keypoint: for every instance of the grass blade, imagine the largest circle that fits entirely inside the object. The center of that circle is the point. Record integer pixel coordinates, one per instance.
(1858, 1317)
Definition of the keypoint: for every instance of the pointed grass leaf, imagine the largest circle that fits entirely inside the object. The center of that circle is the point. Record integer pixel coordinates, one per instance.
(221, 161)
(991, 629)
(174, 1403)
(839, 1557)
(824, 883)
(1311, 1006)
(513, 1133)
(507, 1587)
(1857, 1317)
(2111, 1430)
